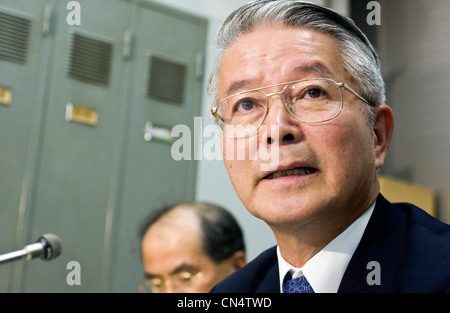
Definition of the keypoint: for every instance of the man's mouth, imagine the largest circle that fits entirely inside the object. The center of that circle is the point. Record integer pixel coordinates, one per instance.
(298, 171)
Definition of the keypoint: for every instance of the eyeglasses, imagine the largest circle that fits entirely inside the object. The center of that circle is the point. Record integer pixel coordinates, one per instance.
(177, 281)
(309, 101)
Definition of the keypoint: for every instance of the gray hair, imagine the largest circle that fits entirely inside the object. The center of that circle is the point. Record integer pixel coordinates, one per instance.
(359, 57)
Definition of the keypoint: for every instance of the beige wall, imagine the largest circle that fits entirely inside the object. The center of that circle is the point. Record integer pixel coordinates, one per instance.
(415, 52)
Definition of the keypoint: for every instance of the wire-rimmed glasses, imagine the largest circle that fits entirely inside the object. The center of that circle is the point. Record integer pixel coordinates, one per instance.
(177, 280)
(310, 101)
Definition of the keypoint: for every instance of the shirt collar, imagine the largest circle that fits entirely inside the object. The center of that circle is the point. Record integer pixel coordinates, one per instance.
(324, 271)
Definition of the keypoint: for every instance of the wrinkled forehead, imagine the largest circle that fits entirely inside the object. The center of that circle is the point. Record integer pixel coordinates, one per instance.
(270, 54)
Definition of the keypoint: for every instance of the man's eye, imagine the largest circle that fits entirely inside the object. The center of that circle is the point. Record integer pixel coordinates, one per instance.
(185, 277)
(245, 105)
(315, 93)
(156, 282)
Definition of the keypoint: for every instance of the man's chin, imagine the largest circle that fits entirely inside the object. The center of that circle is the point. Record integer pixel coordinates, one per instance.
(279, 214)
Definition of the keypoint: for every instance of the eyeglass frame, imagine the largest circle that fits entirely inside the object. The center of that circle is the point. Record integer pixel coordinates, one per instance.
(189, 277)
(340, 85)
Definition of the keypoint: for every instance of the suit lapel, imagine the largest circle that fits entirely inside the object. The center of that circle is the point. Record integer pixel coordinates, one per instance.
(271, 282)
(376, 263)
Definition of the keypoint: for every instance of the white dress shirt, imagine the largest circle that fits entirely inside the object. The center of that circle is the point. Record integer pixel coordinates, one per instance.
(324, 271)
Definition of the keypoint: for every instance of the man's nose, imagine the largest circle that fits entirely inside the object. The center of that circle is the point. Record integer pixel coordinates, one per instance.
(282, 127)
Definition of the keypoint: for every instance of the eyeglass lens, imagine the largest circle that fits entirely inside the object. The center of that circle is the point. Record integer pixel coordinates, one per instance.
(309, 101)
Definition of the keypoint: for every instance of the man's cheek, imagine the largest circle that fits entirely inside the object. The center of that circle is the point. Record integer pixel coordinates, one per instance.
(238, 149)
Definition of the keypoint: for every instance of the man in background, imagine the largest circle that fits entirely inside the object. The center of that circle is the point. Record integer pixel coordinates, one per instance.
(190, 247)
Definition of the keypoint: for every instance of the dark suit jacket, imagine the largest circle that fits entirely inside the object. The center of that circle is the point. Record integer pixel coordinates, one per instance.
(411, 247)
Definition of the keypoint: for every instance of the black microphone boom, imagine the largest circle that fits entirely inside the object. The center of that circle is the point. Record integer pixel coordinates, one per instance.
(47, 247)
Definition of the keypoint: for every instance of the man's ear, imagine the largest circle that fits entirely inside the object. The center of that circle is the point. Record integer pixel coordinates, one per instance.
(383, 129)
(239, 259)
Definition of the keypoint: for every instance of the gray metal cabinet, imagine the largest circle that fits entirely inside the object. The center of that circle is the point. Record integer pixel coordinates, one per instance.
(78, 157)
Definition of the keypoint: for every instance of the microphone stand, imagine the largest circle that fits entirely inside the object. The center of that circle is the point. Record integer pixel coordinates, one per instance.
(29, 252)
(47, 247)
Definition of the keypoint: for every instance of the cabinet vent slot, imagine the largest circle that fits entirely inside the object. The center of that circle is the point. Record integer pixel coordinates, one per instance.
(89, 60)
(14, 35)
(166, 80)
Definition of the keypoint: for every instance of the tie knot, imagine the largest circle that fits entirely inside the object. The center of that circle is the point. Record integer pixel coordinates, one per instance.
(297, 285)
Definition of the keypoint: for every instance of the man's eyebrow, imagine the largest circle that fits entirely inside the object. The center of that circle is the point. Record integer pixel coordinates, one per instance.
(151, 276)
(184, 267)
(316, 69)
(237, 85)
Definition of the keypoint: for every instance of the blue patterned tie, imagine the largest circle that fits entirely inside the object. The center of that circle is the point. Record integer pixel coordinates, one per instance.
(297, 285)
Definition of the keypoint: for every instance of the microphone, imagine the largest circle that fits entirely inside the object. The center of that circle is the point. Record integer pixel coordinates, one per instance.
(47, 247)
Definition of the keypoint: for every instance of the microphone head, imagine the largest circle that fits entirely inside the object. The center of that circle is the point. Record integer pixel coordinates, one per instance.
(52, 246)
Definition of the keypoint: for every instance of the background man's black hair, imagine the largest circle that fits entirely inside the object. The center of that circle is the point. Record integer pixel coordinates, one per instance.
(220, 232)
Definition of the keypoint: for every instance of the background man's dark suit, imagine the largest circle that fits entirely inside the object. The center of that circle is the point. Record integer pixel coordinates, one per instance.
(412, 248)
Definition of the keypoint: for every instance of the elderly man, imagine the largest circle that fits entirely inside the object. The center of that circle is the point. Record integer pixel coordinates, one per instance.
(303, 83)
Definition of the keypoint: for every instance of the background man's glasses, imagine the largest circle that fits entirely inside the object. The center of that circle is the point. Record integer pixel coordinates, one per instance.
(178, 281)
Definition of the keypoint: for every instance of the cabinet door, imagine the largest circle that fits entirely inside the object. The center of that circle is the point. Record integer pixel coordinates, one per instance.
(166, 91)
(79, 149)
(23, 62)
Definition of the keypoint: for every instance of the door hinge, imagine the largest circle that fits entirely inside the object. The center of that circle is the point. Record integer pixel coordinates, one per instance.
(47, 20)
(127, 42)
(199, 65)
